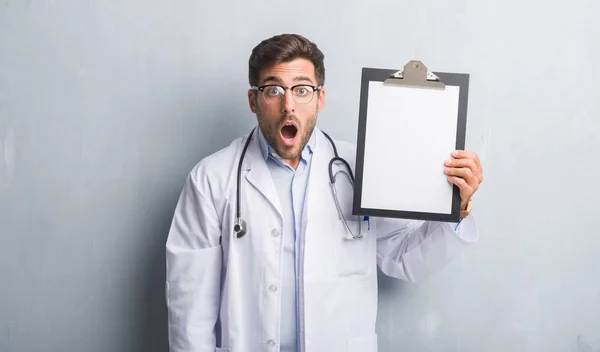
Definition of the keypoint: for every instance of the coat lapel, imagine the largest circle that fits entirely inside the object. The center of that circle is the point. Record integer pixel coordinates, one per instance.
(258, 174)
(318, 179)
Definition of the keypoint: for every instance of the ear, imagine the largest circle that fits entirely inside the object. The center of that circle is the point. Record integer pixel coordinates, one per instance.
(321, 99)
(252, 100)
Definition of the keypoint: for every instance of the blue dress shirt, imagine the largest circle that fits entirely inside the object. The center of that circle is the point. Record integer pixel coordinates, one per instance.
(291, 189)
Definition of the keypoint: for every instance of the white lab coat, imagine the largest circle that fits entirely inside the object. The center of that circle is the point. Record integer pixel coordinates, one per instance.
(224, 296)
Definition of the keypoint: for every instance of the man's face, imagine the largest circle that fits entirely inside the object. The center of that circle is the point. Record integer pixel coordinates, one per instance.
(287, 124)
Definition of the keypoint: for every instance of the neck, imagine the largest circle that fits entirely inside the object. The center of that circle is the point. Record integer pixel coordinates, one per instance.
(293, 162)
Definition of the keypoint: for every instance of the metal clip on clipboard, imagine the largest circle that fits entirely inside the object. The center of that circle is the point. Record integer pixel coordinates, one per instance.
(415, 74)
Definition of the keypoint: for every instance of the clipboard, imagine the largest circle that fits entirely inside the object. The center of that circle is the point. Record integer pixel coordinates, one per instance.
(410, 121)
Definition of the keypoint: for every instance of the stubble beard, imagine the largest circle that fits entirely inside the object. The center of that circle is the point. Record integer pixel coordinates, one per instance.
(271, 133)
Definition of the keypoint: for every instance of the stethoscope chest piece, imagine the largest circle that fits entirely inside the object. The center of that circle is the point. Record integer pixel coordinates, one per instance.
(240, 228)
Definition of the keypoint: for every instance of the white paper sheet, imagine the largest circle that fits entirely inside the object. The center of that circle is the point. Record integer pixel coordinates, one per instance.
(409, 134)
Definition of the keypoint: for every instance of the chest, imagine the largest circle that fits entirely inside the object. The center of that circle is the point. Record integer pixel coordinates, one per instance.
(319, 234)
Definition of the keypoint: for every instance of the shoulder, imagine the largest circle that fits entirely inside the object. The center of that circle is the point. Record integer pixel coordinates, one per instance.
(214, 170)
(346, 150)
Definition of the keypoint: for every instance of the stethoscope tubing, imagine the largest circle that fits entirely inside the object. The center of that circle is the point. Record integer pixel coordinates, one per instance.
(240, 227)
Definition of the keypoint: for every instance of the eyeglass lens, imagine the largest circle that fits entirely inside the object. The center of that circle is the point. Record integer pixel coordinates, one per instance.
(302, 94)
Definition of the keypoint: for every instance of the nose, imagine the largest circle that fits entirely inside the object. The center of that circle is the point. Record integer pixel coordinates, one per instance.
(288, 103)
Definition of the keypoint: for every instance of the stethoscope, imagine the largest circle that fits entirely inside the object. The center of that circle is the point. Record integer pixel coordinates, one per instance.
(240, 228)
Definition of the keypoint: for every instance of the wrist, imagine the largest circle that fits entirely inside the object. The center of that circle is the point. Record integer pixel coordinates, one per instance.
(466, 209)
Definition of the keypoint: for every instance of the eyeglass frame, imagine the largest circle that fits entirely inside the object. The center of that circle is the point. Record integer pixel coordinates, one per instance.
(314, 88)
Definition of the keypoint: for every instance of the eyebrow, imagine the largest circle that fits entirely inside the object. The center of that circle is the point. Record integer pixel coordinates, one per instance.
(296, 79)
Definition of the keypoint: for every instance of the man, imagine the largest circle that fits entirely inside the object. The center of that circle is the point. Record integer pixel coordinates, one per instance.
(282, 275)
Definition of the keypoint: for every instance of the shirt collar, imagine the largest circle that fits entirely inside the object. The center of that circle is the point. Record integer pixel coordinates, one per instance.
(267, 150)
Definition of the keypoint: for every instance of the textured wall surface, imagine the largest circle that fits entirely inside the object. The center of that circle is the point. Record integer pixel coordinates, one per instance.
(106, 105)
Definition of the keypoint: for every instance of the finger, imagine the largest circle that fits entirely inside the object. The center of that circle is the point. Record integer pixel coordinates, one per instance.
(468, 163)
(466, 191)
(464, 173)
(464, 154)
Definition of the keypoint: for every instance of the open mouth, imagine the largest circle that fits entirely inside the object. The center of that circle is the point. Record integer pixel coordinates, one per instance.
(289, 133)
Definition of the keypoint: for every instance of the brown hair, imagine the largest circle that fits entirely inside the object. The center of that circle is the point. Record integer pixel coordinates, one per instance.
(284, 48)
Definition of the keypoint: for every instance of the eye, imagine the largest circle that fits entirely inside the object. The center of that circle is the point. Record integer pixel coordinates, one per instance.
(272, 91)
(302, 91)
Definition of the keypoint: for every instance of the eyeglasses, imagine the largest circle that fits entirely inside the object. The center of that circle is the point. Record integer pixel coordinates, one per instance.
(274, 93)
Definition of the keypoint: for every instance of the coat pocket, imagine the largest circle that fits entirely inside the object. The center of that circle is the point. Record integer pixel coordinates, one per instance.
(354, 256)
(221, 349)
(363, 344)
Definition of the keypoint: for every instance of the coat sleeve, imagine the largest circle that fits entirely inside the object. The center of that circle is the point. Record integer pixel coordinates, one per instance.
(413, 250)
(193, 260)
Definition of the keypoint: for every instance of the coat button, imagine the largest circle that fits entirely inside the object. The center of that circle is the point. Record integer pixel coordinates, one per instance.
(275, 233)
(273, 288)
(271, 344)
